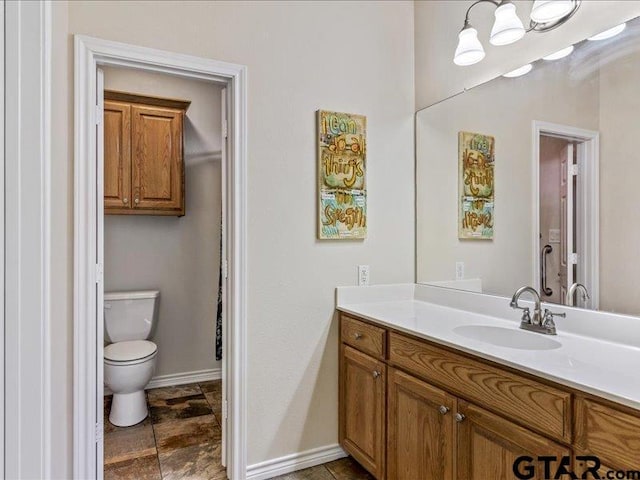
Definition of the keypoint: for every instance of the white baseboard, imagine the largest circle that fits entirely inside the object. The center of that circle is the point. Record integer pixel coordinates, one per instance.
(294, 462)
(175, 379)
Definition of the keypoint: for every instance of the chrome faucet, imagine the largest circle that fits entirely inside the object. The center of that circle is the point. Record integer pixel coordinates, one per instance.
(540, 322)
(572, 290)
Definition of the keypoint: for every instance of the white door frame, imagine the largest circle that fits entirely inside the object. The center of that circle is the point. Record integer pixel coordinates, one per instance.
(587, 195)
(26, 214)
(87, 413)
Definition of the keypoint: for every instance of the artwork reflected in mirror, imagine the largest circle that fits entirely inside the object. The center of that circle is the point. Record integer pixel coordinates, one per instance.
(565, 164)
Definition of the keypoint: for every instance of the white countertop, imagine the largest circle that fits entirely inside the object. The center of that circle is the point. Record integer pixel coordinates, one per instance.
(604, 368)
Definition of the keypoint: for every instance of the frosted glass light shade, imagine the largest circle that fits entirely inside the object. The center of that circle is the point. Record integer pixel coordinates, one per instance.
(507, 28)
(469, 50)
(544, 11)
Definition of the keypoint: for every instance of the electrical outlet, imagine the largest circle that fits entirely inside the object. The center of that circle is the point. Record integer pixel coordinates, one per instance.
(363, 275)
(459, 270)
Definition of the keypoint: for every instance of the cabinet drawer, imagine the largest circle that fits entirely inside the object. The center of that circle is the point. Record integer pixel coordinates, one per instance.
(530, 403)
(608, 433)
(364, 337)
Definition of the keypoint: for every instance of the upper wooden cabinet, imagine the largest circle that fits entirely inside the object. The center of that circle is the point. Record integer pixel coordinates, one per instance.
(143, 155)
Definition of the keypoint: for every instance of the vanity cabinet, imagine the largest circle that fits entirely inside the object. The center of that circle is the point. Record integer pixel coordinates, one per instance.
(488, 445)
(362, 400)
(420, 431)
(143, 155)
(414, 410)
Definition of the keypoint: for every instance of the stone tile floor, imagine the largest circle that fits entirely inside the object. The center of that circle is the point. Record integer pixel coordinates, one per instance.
(181, 440)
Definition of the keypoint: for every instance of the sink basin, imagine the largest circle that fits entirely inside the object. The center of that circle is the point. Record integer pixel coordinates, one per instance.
(508, 337)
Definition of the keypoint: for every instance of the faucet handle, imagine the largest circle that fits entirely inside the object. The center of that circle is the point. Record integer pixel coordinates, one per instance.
(526, 315)
(547, 320)
(548, 315)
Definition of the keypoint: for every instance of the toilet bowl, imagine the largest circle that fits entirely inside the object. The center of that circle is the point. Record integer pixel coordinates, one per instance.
(129, 359)
(128, 367)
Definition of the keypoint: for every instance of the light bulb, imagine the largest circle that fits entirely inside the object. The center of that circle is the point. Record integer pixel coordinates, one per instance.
(545, 11)
(560, 54)
(469, 50)
(507, 28)
(518, 72)
(612, 32)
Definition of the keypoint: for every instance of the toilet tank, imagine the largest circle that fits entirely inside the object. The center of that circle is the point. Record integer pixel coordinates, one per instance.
(130, 315)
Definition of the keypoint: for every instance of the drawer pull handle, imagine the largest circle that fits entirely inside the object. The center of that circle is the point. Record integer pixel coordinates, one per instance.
(459, 417)
(136, 200)
(358, 335)
(376, 374)
(443, 410)
(125, 200)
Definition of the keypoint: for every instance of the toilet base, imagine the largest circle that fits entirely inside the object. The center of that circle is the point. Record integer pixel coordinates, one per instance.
(128, 408)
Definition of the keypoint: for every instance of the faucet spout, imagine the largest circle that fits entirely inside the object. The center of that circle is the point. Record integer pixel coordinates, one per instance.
(537, 317)
(569, 300)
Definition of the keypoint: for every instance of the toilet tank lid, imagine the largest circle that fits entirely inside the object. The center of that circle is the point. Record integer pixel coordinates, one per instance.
(131, 295)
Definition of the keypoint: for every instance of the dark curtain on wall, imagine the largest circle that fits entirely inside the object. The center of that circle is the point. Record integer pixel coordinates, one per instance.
(219, 317)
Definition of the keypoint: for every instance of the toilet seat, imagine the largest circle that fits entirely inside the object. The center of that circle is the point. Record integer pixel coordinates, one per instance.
(129, 352)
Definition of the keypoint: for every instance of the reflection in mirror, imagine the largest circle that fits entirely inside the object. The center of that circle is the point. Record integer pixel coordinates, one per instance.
(532, 180)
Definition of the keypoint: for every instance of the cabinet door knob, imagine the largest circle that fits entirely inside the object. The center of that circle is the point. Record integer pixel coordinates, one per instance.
(443, 410)
(125, 200)
(459, 417)
(136, 200)
(357, 335)
(376, 374)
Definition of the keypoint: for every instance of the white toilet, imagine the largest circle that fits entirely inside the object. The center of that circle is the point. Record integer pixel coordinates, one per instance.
(129, 359)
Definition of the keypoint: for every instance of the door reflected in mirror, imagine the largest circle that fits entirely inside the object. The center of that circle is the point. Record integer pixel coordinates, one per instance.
(566, 174)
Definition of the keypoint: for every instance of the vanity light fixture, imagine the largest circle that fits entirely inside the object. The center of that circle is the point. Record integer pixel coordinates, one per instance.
(612, 32)
(518, 72)
(559, 54)
(508, 28)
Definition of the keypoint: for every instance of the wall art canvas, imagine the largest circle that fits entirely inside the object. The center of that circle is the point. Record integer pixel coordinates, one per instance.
(476, 157)
(342, 184)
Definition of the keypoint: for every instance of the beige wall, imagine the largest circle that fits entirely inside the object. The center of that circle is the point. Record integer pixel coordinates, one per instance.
(349, 56)
(504, 108)
(438, 22)
(177, 255)
(619, 177)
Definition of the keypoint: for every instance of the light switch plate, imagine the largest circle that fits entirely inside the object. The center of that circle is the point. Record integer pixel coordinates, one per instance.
(459, 270)
(363, 275)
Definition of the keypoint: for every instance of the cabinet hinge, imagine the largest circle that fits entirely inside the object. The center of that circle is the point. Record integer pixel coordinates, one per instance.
(98, 433)
(225, 410)
(573, 258)
(99, 114)
(574, 169)
(225, 270)
(225, 128)
(99, 273)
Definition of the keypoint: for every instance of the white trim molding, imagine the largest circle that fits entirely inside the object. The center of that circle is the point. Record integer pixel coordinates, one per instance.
(26, 352)
(294, 462)
(587, 196)
(183, 378)
(91, 53)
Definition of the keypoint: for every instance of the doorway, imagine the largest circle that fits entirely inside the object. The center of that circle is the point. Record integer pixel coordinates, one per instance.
(90, 56)
(566, 237)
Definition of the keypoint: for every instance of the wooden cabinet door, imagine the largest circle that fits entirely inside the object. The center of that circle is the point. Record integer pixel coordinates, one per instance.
(117, 155)
(362, 409)
(488, 446)
(157, 159)
(420, 429)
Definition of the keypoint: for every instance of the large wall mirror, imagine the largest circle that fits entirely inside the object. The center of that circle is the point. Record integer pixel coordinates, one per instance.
(534, 179)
